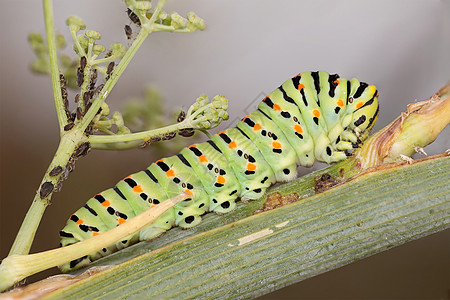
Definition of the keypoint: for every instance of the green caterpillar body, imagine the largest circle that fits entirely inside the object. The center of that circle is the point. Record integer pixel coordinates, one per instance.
(313, 116)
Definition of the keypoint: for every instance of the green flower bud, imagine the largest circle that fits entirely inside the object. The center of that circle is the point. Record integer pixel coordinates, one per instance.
(117, 117)
(98, 49)
(178, 21)
(35, 38)
(84, 42)
(196, 21)
(105, 109)
(40, 66)
(118, 50)
(143, 5)
(75, 23)
(93, 34)
(163, 15)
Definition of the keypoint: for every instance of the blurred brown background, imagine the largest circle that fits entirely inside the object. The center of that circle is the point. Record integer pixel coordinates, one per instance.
(247, 50)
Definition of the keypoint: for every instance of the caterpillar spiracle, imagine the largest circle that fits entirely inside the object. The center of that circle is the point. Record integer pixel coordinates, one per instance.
(313, 116)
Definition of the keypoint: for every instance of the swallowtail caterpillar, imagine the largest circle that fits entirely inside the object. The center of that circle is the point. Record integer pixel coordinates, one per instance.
(313, 116)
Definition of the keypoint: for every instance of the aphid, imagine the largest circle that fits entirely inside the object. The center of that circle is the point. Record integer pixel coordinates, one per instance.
(128, 31)
(133, 17)
(56, 171)
(109, 70)
(62, 80)
(169, 136)
(98, 90)
(83, 62)
(187, 132)
(181, 116)
(46, 189)
(79, 113)
(86, 97)
(69, 126)
(93, 79)
(307, 118)
(80, 76)
(82, 150)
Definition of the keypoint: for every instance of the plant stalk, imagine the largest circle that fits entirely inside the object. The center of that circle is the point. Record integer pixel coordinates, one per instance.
(54, 70)
(24, 239)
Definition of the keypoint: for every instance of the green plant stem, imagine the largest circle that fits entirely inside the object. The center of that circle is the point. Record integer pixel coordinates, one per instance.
(113, 80)
(24, 239)
(97, 141)
(16, 267)
(54, 70)
(67, 146)
(69, 140)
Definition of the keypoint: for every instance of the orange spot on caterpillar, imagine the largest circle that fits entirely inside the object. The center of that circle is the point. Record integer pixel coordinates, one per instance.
(276, 145)
(276, 107)
(192, 146)
(340, 103)
(256, 127)
(170, 173)
(359, 104)
(126, 178)
(106, 203)
(299, 75)
(137, 189)
(251, 167)
(298, 128)
(79, 222)
(220, 179)
(159, 160)
(95, 233)
(246, 117)
(121, 220)
(203, 158)
(188, 191)
(222, 132)
(232, 145)
(300, 87)
(336, 81)
(316, 113)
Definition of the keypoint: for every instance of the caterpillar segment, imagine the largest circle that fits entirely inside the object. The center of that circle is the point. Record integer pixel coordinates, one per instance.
(312, 116)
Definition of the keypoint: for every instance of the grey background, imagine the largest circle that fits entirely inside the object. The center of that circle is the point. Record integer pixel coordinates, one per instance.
(247, 50)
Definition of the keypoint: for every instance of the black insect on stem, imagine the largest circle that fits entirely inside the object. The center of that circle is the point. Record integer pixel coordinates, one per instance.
(128, 31)
(62, 80)
(186, 132)
(169, 136)
(83, 62)
(69, 126)
(82, 150)
(56, 171)
(46, 189)
(80, 76)
(133, 17)
(181, 116)
(79, 113)
(110, 69)
(98, 90)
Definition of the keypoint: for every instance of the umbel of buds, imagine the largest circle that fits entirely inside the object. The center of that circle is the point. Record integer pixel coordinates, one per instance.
(206, 115)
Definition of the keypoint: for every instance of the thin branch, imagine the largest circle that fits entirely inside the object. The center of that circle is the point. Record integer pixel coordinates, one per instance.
(51, 42)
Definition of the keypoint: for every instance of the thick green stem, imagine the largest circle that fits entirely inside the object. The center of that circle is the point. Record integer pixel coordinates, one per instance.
(68, 145)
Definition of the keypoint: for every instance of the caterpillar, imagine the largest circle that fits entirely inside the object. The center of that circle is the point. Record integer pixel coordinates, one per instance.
(312, 116)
